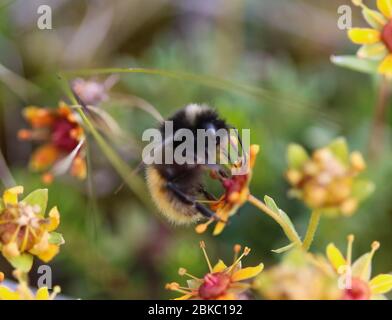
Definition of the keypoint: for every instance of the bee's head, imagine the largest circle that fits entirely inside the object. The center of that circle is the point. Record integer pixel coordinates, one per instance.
(195, 116)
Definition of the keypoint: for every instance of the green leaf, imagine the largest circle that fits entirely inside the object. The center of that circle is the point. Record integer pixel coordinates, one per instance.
(284, 249)
(340, 149)
(1, 205)
(356, 64)
(296, 156)
(273, 206)
(38, 197)
(362, 189)
(23, 262)
(56, 238)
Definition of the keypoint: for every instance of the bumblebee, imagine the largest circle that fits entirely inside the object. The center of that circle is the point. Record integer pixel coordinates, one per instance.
(177, 188)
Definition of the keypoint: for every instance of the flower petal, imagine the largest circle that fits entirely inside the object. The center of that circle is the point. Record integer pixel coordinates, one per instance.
(219, 228)
(184, 297)
(42, 294)
(45, 250)
(335, 257)
(374, 18)
(219, 267)
(386, 66)
(364, 35)
(7, 294)
(381, 284)
(372, 51)
(10, 250)
(54, 220)
(48, 254)
(10, 196)
(247, 273)
(79, 168)
(38, 117)
(362, 267)
(385, 7)
(44, 157)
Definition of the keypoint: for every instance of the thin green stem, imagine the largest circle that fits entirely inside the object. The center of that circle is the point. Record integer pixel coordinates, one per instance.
(134, 182)
(288, 230)
(312, 228)
(209, 81)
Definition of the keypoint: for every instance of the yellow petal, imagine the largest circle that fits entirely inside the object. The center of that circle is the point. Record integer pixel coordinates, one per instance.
(10, 196)
(364, 35)
(184, 297)
(10, 250)
(372, 51)
(227, 296)
(247, 273)
(7, 294)
(335, 257)
(219, 228)
(54, 220)
(49, 253)
(386, 66)
(385, 7)
(42, 294)
(219, 267)
(381, 284)
(45, 250)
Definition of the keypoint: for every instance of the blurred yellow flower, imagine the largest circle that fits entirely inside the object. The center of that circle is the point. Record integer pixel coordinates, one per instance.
(62, 139)
(24, 229)
(221, 283)
(328, 180)
(23, 292)
(298, 277)
(236, 194)
(356, 282)
(376, 41)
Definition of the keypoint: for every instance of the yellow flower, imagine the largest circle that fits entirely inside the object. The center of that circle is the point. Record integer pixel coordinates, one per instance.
(221, 282)
(25, 229)
(62, 141)
(328, 180)
(236, 194)
(298, 277)
(376, 41)
(356, 282)
(23, 292)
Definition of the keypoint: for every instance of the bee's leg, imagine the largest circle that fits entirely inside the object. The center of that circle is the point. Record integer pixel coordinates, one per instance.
(190, 201)
(208, 195)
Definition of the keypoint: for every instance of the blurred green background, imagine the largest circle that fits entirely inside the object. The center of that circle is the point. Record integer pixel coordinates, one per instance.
(115, 247)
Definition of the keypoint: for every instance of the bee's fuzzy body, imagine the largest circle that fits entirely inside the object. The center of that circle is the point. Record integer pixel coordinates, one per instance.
(187, 178)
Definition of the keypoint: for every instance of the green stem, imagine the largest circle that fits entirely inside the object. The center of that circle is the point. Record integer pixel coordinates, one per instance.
(288, 230)
(209, 81)
(134, 182)
(312, 228)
